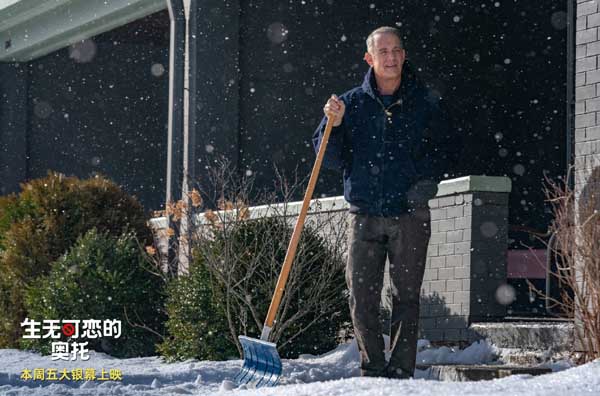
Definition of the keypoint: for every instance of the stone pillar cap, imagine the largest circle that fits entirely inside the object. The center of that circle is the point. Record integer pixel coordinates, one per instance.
(466, 184)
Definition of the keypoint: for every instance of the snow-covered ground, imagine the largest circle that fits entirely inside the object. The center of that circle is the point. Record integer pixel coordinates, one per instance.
(334, 373)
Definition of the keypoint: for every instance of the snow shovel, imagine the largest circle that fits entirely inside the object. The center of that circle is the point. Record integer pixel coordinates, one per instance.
(262, 364)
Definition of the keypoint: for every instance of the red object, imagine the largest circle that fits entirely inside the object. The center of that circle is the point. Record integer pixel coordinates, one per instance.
(68, 329)
(530, 264)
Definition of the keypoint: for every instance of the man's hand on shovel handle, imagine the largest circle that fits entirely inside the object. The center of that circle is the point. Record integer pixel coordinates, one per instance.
(335, 108)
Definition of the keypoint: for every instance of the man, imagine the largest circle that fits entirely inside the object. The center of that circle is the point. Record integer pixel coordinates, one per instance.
(384, 140)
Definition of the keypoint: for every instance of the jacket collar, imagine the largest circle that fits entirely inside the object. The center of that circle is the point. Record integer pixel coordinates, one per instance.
(408, 84)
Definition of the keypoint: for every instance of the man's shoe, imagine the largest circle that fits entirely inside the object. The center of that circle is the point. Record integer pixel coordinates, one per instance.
(373, 373)
(397, 373)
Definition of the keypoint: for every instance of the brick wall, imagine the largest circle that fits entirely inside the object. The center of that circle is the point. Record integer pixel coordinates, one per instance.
(587, 105)
(587, 91)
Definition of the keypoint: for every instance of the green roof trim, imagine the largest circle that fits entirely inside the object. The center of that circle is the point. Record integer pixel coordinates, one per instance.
(30, 29)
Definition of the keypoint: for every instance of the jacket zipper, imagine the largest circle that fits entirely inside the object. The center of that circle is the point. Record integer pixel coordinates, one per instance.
(387, 118)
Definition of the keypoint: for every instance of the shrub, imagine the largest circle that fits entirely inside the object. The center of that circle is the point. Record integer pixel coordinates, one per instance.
(197, 322)
(228, 290)
(43, 221)
(574, 248)
(11, 209)
(102, 277)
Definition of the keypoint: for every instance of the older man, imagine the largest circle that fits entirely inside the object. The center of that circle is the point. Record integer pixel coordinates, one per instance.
(386, 142)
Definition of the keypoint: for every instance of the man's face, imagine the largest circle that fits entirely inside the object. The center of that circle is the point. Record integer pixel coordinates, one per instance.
(386, 56)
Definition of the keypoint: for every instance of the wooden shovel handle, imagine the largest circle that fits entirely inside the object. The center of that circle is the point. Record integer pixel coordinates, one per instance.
(291, 251)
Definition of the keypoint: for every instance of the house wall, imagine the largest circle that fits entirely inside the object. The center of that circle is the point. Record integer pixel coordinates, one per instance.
(587, 92)
(96, 107)
(13, 139)
(587, 116)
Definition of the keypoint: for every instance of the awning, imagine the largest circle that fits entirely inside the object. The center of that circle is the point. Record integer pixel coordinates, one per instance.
(30, 29)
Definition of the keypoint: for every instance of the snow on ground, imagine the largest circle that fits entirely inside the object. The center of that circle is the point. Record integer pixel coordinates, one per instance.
(334, 373)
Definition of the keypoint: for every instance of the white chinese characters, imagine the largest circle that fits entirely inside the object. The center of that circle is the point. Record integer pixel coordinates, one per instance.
(71, 331)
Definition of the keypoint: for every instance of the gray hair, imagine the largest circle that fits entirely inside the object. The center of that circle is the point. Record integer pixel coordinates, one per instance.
(382, 30)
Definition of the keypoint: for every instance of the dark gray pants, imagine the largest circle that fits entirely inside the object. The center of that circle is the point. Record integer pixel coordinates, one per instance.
(404, 241)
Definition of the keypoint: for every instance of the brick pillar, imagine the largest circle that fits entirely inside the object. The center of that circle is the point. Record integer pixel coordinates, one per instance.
(466, 258)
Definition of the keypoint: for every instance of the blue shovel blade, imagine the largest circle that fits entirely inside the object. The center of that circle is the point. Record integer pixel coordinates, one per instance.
(262, 365)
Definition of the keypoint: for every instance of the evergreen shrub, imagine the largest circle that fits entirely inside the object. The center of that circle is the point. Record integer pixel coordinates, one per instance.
(196, 325)
(43, 221)
(230, 284)
(102, 277)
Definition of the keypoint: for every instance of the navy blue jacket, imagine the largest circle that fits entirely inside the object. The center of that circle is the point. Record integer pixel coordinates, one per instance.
(391, 158)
